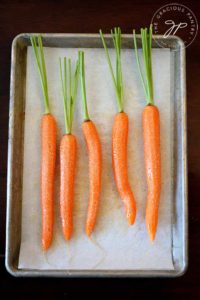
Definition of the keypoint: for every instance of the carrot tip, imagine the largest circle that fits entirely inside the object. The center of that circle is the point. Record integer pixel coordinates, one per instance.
(131, 219)
(152, 236)
(151, 224)
(45, 246)
(67, 236)
(131, 214)
(88, 231)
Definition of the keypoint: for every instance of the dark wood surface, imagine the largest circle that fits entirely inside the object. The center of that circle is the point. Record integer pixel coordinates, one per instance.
(87, 17)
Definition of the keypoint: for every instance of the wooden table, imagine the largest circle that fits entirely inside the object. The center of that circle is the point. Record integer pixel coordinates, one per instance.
(88, 16)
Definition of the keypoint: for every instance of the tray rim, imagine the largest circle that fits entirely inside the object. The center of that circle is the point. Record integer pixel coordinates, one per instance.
(96, 273)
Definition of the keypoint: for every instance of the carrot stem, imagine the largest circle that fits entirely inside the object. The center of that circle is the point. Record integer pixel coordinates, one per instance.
(69, 90)
(83, 87)
(63, 90)
(146, 77)
(75, 87)
(39, 57)
(117, 78)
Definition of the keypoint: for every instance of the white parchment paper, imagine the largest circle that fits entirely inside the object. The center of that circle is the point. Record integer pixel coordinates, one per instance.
(114, 244)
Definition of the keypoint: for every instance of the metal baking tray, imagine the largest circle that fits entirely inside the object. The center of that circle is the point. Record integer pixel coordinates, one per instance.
(15, 154)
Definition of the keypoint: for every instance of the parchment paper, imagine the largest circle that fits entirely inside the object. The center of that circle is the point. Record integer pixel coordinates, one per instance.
(114, 244)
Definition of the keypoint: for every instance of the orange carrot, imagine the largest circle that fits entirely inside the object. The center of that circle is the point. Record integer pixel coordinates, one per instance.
(120, 132)
(47, 178)
(95, 156)
(48, 157)
(68, 148)
(119, 150)
(151, 132)
(151, 135)
(95, 168)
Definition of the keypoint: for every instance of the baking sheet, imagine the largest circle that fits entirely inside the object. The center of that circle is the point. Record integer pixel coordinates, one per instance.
(114, 244)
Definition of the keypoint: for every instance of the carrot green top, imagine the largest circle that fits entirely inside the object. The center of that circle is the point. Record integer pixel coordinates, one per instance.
(146, 77)
(83, 88)
(69, 90)
(117, 78)
(39, 56)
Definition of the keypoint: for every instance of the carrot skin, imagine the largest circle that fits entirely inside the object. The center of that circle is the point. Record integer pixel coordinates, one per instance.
(48, 159)
(119, 158)
(68, 149)
(95, 169)
(151, 133)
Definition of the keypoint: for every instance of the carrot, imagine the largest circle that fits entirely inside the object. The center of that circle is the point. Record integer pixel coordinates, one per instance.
(68, 149)
(47, 178)
(48, 156)
(151, 135)
(119, 150)
(120, 132)
(95, 156)
(151, 132)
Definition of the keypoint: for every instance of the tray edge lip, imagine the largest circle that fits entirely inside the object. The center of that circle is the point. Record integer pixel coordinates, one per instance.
(185, 158)
(10, 268)
(91, 35)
